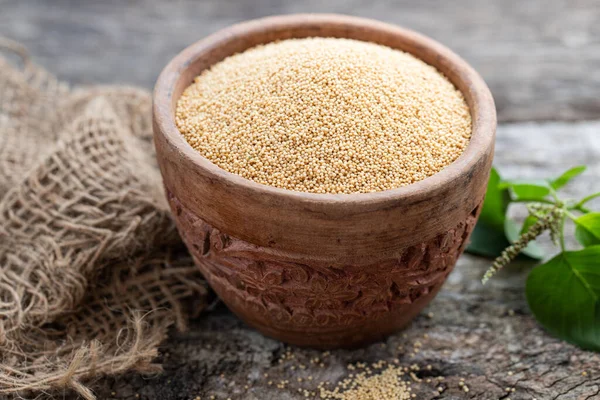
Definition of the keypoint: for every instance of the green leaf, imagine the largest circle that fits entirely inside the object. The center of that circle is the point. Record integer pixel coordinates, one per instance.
(495, 204)
(588, 229)
(488, 238)
(530, 220)
(527, 190)
(564, 296)
(533, 250)
(567, 176)
(487, 241)
(538, 189)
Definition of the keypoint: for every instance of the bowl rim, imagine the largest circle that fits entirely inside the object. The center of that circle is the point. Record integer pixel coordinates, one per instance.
(481, 107)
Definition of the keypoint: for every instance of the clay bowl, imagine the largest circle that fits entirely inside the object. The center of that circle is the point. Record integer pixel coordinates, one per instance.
(322, 270)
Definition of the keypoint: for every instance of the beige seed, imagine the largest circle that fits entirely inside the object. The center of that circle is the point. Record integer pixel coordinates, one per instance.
(386, 384)
(325, 115)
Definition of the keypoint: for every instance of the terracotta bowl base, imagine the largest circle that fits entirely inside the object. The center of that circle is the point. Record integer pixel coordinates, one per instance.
(308, 303)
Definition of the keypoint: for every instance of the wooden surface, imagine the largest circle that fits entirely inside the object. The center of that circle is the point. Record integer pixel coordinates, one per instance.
(541, 60)
(484, 335)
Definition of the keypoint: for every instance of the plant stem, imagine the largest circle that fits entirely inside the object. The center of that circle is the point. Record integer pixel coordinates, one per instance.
(554, 195)
(582, 209)
(562, 231)
(533, 201)
(570, 215)
(579, 206)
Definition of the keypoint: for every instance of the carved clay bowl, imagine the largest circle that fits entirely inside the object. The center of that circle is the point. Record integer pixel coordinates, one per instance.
(322, 270)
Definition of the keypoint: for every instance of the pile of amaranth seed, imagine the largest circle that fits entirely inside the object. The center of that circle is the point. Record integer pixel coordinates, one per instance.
(325, 115)
(380, 380)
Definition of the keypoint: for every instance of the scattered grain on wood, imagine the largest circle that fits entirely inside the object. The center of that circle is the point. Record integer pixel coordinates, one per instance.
(386, 384)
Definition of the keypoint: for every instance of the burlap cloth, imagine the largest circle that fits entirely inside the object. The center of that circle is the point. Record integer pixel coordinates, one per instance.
(92, 271)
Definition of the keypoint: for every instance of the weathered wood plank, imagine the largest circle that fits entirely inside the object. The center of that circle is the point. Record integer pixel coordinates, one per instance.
(540, 57)
(485, 335)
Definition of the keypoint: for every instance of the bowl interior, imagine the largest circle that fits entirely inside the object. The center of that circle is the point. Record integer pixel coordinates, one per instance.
(325, 226)
(244, 36)
(238, 38)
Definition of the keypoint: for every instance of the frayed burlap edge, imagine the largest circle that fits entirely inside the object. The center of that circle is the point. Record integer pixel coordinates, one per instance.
(92, 272)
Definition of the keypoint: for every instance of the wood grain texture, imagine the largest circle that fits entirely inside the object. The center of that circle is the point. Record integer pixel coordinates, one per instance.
(485, 335)
(540, 57)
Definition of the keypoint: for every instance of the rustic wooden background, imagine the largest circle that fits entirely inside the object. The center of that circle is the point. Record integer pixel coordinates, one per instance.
(541, 59)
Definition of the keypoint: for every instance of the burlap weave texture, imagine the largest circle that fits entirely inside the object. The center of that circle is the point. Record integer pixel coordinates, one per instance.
(92, 271)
